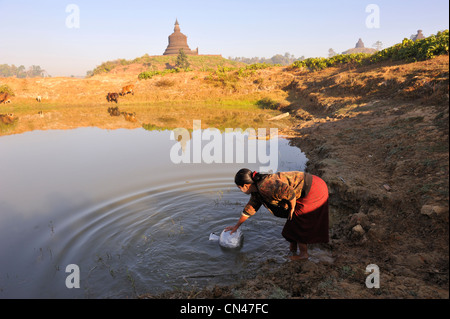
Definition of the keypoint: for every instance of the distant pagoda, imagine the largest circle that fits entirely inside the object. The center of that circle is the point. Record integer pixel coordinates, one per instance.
(177, 41)
(359, 48)
(418, 36)
(359, 44)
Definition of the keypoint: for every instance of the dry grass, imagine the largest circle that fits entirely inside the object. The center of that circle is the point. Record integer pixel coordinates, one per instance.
(340, 91)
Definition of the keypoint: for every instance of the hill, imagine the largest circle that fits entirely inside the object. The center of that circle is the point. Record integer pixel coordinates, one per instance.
(162, 62)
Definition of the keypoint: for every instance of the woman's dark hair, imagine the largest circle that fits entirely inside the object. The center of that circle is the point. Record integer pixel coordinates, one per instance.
(246, 176)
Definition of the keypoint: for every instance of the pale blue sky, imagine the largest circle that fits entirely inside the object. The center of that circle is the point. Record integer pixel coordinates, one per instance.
(35, 32)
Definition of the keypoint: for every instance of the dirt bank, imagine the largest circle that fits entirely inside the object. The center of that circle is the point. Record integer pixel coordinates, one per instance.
(379, 137)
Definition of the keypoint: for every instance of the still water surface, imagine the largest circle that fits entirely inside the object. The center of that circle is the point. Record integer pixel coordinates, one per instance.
(115, 204)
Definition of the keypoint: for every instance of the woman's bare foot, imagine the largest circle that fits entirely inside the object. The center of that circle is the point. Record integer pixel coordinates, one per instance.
(293, 247)
(300, 257)
(303, 252)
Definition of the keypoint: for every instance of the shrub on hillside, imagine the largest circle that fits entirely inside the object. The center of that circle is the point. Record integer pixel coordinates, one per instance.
(412, 51)
(4, 88)
(182, 60)
(149, 74)
(267, 103)
(259, 66)
(408, 50)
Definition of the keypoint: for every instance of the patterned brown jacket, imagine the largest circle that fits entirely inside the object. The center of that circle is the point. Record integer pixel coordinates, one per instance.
(276, 189)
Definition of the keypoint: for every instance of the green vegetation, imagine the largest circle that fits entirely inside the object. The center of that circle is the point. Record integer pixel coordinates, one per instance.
(149, 74)
(161, 62)
(182, 61)
(233, 74)
(152, 127)
(6, 89)
(315, 64)
(408, 51)
(107, 66)
(412, 51)
(255, 66)
(267, 103)
(222, 73)
(259, 66)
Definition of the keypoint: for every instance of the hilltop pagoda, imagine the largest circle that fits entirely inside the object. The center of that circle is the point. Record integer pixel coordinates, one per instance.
(359, 48)
(177, 41)
(418, 36)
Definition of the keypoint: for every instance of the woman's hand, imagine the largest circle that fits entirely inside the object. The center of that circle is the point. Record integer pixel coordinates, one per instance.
(235, 227)
(232, 228)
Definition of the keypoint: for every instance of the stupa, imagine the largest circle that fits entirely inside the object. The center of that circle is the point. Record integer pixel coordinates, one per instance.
(359, 48)
(177, 41)
(418, 36)
(359, 44)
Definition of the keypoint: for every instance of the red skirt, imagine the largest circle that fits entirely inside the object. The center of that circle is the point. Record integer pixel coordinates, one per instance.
(309, 223)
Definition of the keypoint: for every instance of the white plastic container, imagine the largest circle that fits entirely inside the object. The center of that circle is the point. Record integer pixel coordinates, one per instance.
(213, 237)
(234, 240)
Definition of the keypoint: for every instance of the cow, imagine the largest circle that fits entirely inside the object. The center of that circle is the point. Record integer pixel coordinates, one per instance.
(127, 89)
(4, 97)
(114, 111)
(38, 98)
(112, 97)
(129, 116)
(7, 118)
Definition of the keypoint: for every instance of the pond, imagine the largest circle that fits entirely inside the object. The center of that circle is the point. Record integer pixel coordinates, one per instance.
(125, 208)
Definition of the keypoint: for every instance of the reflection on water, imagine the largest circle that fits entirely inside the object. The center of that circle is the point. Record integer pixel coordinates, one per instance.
(115, 204)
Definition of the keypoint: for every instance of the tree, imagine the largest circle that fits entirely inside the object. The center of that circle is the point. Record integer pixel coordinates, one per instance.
(378, 45)
(331, 53)
(5, 70)
(182, 60)
(278, 59)
(21, 73)
(35, 71)
(285, 59)
(289, 56)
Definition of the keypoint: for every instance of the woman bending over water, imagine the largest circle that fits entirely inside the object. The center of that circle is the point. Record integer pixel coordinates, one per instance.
(300, 197)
